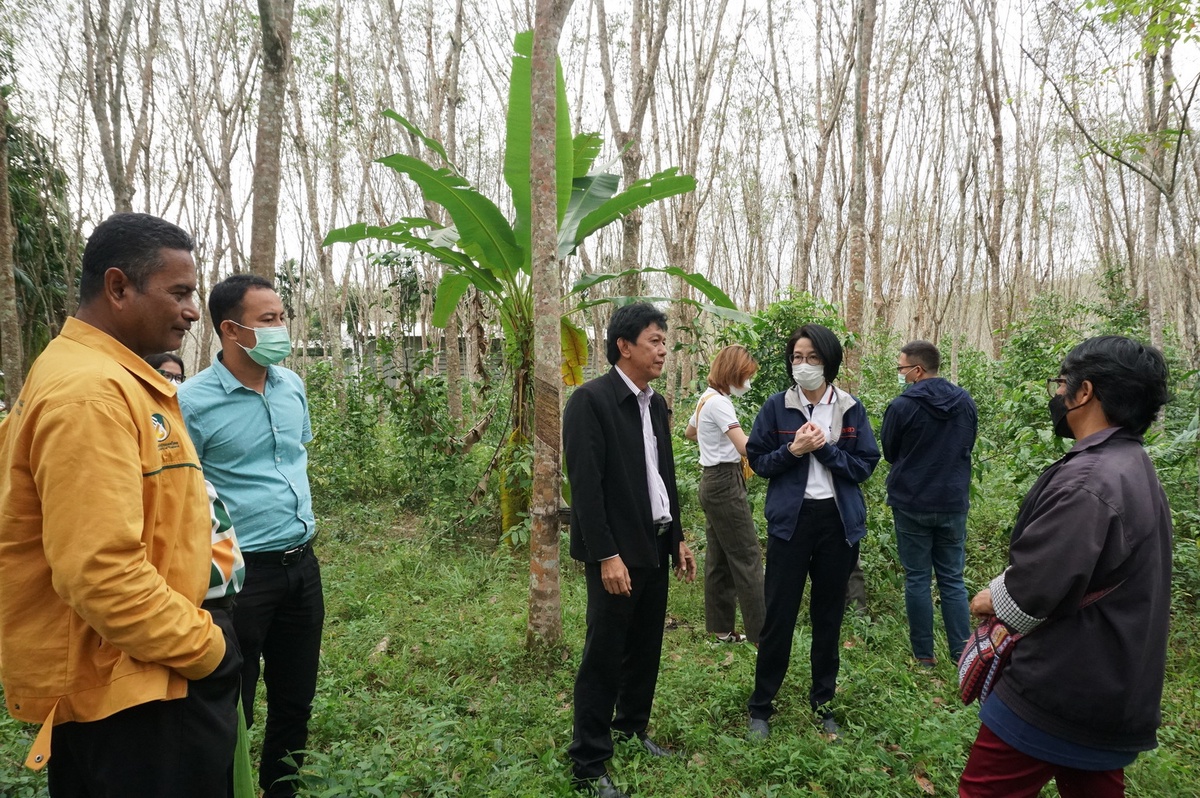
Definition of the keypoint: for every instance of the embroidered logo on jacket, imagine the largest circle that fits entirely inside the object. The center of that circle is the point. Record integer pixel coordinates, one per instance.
(162, 427)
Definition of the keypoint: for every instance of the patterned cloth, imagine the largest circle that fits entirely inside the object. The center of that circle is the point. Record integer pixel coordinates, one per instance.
(228, 569)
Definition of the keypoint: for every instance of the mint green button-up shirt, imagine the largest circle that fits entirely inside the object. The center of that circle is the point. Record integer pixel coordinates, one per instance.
(252, 449)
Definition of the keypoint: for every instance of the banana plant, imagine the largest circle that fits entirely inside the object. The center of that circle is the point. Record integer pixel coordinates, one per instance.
(481, 248)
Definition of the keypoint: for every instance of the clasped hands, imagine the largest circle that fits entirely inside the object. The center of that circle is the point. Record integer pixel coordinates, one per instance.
(615, 575)
(808, 438)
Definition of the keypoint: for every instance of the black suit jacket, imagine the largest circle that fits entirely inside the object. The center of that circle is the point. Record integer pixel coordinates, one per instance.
(606, 466)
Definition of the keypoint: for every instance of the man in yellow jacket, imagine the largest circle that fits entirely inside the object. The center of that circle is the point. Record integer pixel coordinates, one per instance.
(105, 541)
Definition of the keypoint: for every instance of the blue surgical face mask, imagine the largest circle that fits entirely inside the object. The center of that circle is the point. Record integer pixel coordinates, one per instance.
(272, 344)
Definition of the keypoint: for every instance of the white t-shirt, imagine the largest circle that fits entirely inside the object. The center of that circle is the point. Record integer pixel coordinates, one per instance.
(716, 418)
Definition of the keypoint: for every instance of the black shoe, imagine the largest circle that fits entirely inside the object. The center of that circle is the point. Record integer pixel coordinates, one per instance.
(602, 787)
(760, 729)
(654, 749)
(830, 729)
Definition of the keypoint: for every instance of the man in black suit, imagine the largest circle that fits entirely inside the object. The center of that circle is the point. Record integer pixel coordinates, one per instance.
(624, 528)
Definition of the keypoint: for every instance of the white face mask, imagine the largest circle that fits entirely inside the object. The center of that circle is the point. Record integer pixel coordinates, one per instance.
(900, 378)
(740, 390)
(808, 377)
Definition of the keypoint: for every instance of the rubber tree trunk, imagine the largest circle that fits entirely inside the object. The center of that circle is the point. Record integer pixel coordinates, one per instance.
(544, 628)
(275, 17)
(12, 358)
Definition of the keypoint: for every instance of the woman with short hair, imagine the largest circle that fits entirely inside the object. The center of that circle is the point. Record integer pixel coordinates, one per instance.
(733, 572)
(814, 444)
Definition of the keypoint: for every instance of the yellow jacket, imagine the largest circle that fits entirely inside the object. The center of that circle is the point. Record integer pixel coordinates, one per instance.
(105, 538)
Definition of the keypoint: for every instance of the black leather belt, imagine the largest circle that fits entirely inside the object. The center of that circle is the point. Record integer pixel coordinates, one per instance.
(222, 603)
(289, 557)
(662, 529)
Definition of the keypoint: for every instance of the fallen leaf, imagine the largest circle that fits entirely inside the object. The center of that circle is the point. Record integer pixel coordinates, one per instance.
(728, 660)
(379, 650)
(924, 783)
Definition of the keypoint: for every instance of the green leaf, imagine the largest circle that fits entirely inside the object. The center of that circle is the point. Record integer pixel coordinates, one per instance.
(483, 231)
(719, 302)
(660, 186)
(449, 291)
(519, 141)
(591, 191)
(587, 147)
(429, 142)
(518, 135)
(564, 151)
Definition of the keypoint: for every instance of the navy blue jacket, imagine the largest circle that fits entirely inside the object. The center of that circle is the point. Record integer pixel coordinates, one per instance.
(928, 433)
(850, 459)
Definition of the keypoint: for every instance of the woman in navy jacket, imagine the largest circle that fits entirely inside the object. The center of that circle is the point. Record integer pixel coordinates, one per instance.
(814, 444)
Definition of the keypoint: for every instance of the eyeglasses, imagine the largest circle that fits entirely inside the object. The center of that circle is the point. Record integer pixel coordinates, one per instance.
(175, 378)
(813, 360)
(906, 369)
(1053, 384)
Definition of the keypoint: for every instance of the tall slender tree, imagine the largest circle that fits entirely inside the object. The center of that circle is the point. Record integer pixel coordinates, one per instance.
(545, 615)
(275, 21)
(12, 358)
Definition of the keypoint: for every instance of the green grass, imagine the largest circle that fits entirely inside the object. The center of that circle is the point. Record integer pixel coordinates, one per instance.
(452, 704)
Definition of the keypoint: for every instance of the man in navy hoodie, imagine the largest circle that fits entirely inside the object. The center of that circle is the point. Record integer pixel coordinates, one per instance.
(928, 433)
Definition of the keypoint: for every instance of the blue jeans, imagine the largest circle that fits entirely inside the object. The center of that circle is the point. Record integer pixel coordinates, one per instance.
(933, 543)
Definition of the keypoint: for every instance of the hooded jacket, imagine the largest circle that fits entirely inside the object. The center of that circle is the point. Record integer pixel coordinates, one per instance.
(928, 433)
(850, 454)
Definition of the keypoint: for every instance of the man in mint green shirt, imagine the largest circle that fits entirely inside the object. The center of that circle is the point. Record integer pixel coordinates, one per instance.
(248, 417)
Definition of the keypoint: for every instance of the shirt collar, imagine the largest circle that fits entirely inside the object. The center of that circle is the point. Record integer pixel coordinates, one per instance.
(231, 383)
(636, 390)
(794, 397)
(93, 338)
(1097, 438)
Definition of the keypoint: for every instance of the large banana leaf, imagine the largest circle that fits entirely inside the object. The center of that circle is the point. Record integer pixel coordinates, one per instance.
(450, 289)
(429, 142)
(698, 281)
(519, 137)
(590, 192)
(660, 186)
(399, 234)
(587, 147)
(483, 231)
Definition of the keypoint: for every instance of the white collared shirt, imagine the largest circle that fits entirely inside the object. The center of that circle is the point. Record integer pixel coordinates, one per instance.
(820, 481)
(660, 503)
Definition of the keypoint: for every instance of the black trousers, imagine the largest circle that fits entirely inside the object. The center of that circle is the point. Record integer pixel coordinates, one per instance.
(162, 749)
(619, 668)
(817, 551)
(279, 615)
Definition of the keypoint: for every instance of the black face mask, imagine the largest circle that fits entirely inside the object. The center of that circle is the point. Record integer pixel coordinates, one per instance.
(1058, 414)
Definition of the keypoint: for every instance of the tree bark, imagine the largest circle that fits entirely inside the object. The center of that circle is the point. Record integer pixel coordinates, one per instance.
(858, 181)
(449, 98)
(275, 18)
(545, 613)
(12, 357)
(644, 49)
(106, 49)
